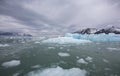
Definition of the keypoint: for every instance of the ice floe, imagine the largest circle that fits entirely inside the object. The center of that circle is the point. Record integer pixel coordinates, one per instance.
(51, 47)
(66, 40)
(63, 54)
(58, 71)
(11, 63)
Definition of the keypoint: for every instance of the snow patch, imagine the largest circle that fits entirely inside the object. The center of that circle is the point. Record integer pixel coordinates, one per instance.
(63, 54)
(11, 63)
(106, 61)
(58, 71)
(66, 40)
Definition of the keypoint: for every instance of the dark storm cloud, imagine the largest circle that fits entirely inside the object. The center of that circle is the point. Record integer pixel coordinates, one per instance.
(54, 15)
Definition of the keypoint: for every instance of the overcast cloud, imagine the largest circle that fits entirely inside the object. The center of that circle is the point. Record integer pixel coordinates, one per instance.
(57, 16)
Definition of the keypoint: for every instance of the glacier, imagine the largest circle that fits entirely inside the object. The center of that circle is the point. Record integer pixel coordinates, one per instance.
(75, 38)
(95, 37)
(66, 40)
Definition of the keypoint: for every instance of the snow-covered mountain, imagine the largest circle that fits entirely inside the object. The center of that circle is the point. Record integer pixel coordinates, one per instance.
(107, 30)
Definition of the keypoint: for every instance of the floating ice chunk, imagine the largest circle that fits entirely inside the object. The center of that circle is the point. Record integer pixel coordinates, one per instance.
(16, 74)
(51, 47)
(58, 71)
(89, 59)
(37, 42)
(4, 45)
(11, 63)
(77, 57)
(113, 49)
(65, 40)
(63, 54)
(35, 66)
(106, 61)
(107, 69)
(82, 61)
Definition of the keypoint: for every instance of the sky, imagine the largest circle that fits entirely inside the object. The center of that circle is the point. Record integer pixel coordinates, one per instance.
(57, 16)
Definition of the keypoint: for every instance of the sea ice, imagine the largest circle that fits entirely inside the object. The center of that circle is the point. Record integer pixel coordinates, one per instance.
(11, 63)
(66, 40)
(63, 54)
(58, 71)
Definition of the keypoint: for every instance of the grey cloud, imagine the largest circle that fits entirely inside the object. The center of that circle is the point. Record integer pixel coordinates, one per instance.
(68, 15)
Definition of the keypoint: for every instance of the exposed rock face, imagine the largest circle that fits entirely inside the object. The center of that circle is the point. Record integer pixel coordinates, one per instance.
(96, 31)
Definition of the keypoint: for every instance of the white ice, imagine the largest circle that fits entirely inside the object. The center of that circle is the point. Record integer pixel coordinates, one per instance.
(66, 40)
(11, 63)
(58, 71)
(63, 54)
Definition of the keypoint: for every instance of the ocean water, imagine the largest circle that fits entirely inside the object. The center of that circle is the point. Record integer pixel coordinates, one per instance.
(29, 56)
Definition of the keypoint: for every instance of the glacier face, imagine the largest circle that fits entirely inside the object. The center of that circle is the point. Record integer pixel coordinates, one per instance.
(95, 37)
